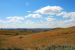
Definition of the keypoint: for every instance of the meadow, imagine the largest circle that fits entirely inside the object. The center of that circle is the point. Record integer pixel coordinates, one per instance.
(46, 39)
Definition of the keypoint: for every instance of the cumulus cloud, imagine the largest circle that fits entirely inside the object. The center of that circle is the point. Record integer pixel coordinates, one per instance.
(14, 19)
(49, 10)
(47, 16)
(50, 19)
(67, 14)
(33, 16)
(70, 15)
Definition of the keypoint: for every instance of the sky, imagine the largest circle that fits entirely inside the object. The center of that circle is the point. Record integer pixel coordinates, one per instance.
(37, 13)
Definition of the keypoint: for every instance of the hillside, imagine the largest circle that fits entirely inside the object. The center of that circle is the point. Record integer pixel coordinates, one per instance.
(58, 36)
(22, 31)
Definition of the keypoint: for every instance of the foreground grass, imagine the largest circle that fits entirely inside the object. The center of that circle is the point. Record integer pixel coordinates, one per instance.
(52, 47)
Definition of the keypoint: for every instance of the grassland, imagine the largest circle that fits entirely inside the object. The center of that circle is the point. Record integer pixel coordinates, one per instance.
(56, 39)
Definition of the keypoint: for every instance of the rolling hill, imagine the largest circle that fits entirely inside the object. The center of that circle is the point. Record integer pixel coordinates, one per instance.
(57, 37)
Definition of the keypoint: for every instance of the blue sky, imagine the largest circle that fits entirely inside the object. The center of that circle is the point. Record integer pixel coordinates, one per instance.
(37, 13)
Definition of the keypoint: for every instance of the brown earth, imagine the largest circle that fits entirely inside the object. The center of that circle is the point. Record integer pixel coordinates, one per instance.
(58, 36)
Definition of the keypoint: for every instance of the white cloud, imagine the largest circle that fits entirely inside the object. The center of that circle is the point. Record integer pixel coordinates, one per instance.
(29, 22)
(1, 20)
(36, 15)
(70, 15)
(33, 16)
(67, 14)
(49, 10)
(14, 19)
(50, 19)
(46, 17)
(66, 23)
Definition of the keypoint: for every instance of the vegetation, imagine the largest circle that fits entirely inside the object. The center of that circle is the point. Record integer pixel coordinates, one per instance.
(43, 40)
(21, 31)
(52, 47)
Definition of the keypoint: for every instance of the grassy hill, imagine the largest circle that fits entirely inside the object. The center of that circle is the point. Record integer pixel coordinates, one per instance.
(22, 31)
(57, 38)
